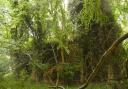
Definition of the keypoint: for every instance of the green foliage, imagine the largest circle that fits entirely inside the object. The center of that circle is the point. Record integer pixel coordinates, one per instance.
(10, 83)
(68, 72)
(92, 12)
(120, 9)
(43, 30)
(5, 63)
(35, 26)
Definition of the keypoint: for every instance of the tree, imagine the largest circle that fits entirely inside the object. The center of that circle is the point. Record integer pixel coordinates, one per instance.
(54, 45)
(41, 29)
(98, 29)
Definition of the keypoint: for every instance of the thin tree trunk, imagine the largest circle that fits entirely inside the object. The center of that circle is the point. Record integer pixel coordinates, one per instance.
(82, 77)
(62, 56)
(110, 73)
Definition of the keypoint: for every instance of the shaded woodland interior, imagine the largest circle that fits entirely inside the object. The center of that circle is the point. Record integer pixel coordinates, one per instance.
(56, 46)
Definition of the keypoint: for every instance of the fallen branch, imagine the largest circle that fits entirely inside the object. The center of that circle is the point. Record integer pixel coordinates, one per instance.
(102, 59)
(56, 87)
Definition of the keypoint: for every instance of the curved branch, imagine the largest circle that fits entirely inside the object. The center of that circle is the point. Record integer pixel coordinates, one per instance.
(101, 61)
(61, 87)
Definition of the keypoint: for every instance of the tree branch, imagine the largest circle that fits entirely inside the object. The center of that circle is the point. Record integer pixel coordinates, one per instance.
(55, 87)
(101, 61)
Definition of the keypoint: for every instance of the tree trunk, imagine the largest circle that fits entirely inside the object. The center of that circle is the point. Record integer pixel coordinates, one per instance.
(110, 73)
(62, 56)
(82, 76)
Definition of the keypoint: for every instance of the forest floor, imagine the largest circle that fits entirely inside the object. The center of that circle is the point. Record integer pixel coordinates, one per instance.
(10, 83)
